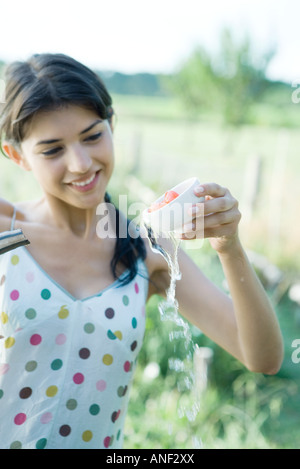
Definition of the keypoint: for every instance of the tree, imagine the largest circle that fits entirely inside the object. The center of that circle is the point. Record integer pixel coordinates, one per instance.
(229, 82)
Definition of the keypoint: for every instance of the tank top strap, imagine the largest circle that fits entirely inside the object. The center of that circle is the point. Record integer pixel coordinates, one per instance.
(12, 225)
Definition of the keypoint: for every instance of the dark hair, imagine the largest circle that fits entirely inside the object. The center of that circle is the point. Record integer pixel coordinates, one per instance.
(49, 81)
(45, 82)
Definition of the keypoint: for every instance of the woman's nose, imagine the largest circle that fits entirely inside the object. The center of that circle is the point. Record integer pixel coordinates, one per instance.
(79, 160)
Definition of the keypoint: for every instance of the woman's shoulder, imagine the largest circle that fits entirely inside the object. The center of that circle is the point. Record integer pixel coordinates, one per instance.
(23, 211)
(6, 214)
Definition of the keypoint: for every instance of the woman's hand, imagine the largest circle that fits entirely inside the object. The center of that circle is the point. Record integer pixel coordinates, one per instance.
(220, 214)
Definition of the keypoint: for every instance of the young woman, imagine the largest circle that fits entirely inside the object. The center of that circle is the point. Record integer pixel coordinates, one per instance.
(73, 302)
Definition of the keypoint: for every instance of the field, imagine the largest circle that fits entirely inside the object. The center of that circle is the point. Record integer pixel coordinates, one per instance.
(159, 145)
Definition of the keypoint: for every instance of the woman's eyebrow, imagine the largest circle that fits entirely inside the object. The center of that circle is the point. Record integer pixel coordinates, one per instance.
(44, 142)
(55, 140)
(90, 126)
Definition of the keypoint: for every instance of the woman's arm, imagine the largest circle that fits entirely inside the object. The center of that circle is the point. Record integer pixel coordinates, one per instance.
(259, 332)
(244, 324)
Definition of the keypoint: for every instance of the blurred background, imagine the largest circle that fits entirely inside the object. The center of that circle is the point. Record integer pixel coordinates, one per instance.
(206, 89)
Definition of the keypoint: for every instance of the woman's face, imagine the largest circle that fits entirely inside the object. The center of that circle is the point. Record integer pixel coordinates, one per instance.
(70, 151)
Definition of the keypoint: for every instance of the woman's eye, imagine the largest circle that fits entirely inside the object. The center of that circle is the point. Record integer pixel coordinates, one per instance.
(93, 137)
(52, 151)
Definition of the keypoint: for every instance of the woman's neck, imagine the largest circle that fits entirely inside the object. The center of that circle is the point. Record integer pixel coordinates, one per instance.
(80, 222)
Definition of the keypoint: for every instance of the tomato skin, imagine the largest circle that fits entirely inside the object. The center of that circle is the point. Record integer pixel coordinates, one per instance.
(169, 196)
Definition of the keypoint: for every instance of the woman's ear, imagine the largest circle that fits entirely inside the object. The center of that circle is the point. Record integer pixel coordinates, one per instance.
(15, 156)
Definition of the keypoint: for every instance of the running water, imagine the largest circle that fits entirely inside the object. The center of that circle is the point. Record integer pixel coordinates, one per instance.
(169, 312)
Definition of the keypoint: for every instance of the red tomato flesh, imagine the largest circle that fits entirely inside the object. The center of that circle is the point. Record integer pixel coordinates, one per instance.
(169, 196)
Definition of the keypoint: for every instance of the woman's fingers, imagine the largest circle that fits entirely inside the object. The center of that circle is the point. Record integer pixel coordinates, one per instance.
(217, 198)
(220, 218)
(211, 188)
(217, 216)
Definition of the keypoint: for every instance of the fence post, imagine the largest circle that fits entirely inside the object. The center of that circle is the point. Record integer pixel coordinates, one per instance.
(252, 184)
(277, 188)
(202, 359)
(136, 152)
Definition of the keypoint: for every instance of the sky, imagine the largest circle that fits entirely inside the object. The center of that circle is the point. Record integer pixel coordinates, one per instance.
(153, 36)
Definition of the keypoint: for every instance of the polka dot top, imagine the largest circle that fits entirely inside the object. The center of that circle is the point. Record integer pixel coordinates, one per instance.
(66, 365)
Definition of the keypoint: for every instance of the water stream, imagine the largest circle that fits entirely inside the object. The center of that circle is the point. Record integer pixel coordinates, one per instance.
(180, 334)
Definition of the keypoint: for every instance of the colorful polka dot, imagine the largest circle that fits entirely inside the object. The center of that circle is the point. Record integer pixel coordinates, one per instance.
(31, 366)
(111, 335)
(30, 313)
(134, 323)
(107, 359)
(3, 278)
(9, 342)
(115, 415)
(45, 294)
(87, 436)
(25, 393)
(35, 339)
(125, 300)
(127, 366)
(14, 295)
(1, 393)
(71, 404)
(114, 335)
(63, 312)
(60, 339)
(78, 378)
(65, 430)
(51, 391)
(15, 260)
(94, 409)
(133, 345)
(84, 353)
(122, 391)
(118, 334)
(4, 318)
(89, 328)
(46, 418)
(16, 445)
(101, 385)
(20, 419)
(109, 313)
(136, 288)
(4, 368)
(56, 364)
(41, 444)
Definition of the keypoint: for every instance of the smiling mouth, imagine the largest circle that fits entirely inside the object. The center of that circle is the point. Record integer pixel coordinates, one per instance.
(84, 183)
